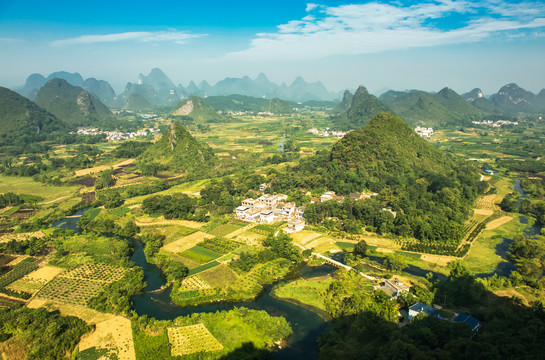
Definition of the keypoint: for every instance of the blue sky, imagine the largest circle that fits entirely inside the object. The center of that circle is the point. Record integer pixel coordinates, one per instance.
(382, 45)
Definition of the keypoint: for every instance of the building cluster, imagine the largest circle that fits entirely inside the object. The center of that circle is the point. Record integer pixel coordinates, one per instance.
(423, 131)
(327, 132)
(269, 208)
(330, 195)
(117, 135)
(498, 123)
(419, 308)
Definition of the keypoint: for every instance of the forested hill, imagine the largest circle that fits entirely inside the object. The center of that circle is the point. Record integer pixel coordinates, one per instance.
(177, 150)
(71, 104)
(363, 107)
(21, 117)
(431, 192)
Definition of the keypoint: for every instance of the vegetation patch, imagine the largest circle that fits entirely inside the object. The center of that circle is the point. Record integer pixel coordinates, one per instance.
(204, 267)
(200, 254)
(192, 339)
(226, 229)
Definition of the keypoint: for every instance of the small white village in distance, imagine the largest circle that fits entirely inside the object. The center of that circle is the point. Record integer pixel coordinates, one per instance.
(117, 135)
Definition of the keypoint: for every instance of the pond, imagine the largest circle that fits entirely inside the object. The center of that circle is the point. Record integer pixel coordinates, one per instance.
(306, 324)
(69, 222)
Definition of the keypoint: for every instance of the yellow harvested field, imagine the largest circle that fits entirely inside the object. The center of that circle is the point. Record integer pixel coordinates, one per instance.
(486, 202)
(498, 222)
(21, 236)
(384, 250)
(90, 316)
(192, 339)
(186, 242)
(486, 212)
(33, 282)
(149, 221)
(43, 275)
(305, 237)
(115, 335)
(17, 260)
(97, 169)
(250, 238)
(442, 260)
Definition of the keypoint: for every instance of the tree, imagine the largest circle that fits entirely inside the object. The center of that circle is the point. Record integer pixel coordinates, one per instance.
(361, 248)
(395, 262)
(176, 271)
(105, 179)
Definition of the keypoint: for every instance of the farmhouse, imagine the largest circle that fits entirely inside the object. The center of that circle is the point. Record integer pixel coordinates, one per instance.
(394, 287)
(294, 226)
(419, 308)
(473, 323)
(266, 216)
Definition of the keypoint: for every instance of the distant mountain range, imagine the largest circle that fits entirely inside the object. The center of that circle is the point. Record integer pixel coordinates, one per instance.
(158, 90)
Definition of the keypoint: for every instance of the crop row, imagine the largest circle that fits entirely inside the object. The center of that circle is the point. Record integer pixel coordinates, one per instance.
(220, 245)
(24, 267)
(70, 291)
(192, 339)
(96, 272)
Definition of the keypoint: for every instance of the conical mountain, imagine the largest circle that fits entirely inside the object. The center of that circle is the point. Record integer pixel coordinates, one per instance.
(472, 95)
(71, 104)
(178, 151)
(166, 91)
(512, 99)
(138, 103)
(21, 117)
(389, 141)
(192, 89)
(344, 105)
(32, 85)
(197, 109)
(363, 108)
(101, 89)
(277, 106)
(540, 101)
(74, 79)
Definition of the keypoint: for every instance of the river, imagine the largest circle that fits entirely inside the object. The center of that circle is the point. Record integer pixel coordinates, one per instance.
(306, 324)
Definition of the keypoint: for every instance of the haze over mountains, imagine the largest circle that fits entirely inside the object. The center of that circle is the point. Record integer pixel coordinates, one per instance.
(80, 102)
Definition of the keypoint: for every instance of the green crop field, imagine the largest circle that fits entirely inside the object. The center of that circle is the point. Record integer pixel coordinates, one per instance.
(203, 267)
(200, 254)
(308, 292)
(226, 229)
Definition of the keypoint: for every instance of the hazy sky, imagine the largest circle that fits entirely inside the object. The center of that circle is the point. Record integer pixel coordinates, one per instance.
(380, 44)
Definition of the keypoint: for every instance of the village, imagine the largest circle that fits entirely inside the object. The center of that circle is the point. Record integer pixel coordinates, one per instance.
(117, 135)
(424, 132)
(327, 132)
(498, 123)
(270, 208)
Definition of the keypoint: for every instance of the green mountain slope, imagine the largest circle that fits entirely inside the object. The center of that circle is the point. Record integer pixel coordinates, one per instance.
(442, 108)
(137, 102)
(236, 103)
(363, 108)
(71, 104)
(277, 106)
(21, 117)
(197, 109)
(430, 192)
(178, 151)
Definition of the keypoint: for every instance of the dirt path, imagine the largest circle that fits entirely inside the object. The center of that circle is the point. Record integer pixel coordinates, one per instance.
(52, 201)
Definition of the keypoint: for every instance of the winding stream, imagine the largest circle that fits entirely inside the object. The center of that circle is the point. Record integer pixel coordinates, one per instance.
(306, 324)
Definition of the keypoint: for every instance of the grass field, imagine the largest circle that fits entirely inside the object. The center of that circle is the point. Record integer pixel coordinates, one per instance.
(25, 185)
(308, 292)
(200, 254)
(226, 229)
(204, 267)
(219, 276)
(482, 257)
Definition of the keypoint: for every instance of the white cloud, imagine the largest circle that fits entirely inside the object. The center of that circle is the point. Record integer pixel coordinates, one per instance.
(177, 37)
(376, 27)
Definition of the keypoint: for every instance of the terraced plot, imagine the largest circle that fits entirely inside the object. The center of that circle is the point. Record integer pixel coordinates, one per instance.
(192, 339)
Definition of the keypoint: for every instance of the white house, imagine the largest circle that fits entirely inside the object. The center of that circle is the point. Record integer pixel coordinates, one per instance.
(241, 211)
(294, 226)
(266, 216)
